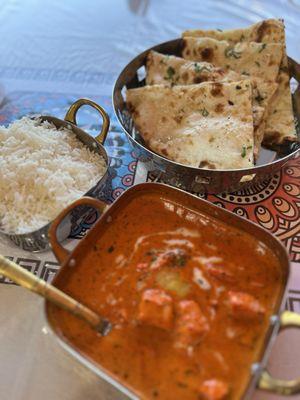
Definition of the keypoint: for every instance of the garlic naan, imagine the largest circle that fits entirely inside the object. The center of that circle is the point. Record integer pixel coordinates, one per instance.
(280, 120)
(171, 70)
(208, 125)
(248, 58)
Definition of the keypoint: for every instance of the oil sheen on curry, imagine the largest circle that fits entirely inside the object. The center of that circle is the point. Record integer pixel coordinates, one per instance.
(189, 298)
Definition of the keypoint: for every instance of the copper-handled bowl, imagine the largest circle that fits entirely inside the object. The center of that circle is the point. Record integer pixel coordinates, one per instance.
(72, 262)
(37, 240)
(189, 178)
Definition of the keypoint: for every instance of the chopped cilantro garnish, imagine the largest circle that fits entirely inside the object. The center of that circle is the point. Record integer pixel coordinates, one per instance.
(231, 52)
(197, 68)
(200, 69)
(204, 112)
(263, 46)
(243, 153)
(170, 73)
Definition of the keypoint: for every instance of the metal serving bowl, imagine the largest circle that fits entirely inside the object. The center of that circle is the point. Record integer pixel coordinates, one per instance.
(70, 261)
(37, 240)
(193, 179)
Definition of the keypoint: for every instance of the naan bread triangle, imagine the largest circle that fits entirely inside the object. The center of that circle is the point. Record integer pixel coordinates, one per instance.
(280, 124)
(171, 70)
(248, 58)
(208, 125)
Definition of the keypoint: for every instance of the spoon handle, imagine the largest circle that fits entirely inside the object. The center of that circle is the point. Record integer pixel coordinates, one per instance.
(29, 281)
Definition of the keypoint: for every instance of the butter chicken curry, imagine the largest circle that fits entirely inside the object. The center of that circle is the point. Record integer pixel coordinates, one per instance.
(189, 298)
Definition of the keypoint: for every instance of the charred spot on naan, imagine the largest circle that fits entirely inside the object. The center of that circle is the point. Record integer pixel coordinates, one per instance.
(178, 118)
(149, 59)
(262, 29)
(266, 29)
(197, 79)
(207, 53)
(133, 109)
(274, 139)
(219, 108)
(207, 164)
(216, 90)
(185, 76)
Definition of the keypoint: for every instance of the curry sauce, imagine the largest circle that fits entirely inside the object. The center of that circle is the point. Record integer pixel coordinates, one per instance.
(189, 298)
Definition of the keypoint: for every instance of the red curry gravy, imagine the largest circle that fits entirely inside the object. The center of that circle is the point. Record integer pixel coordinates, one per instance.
(189, 298)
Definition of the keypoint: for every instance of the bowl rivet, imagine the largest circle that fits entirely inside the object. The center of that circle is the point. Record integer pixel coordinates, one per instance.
(72, 262)
(274, 319)
(45, 330)
(255, 368)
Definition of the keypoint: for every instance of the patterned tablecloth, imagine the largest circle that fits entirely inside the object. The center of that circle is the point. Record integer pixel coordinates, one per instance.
(35, 88)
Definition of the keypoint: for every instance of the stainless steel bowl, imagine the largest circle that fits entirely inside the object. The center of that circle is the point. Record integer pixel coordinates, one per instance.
(37, 240)
(192, 179)
(259, 376)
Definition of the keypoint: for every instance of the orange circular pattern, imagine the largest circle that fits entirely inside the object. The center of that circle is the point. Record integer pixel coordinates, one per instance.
(273, 204)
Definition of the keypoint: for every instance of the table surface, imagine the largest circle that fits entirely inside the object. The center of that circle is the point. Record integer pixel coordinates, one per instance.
(53, 52)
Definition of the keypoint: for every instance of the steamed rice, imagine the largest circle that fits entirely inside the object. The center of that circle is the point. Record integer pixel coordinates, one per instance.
(42, 170)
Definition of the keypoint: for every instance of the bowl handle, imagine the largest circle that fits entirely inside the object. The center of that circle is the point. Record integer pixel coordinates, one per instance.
(59, 251)
(72, 111)
(288, 319)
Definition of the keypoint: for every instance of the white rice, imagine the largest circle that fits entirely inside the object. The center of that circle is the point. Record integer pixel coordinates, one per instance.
(42, 170)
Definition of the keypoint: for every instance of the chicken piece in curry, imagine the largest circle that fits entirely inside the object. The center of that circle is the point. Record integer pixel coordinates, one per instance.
(189, 298)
